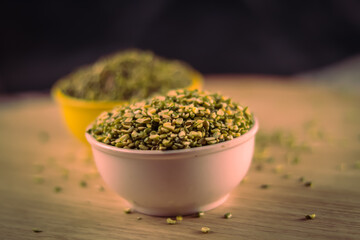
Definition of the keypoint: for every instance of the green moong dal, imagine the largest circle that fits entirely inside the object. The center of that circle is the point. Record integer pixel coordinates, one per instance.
(127, 75)
(178, 120)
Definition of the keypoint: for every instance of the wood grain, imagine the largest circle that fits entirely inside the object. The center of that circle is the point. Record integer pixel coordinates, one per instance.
(37, 153)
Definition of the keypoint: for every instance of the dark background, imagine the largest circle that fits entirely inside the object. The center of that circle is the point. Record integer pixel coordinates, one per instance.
(42, 41)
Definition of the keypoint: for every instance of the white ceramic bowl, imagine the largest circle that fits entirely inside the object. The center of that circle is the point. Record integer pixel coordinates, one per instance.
(175, 182)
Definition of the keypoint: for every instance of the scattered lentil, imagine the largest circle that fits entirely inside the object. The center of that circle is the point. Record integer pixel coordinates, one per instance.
(170, 221)
(199, 214)
(39, 179)
(265, 186)
(205, 229)
(58, 189)
(270, 160)
(310, 216)
(36, 230)
(308, 184)
(179, 218)
(228, 215)
(286, 175)
(83, 184)
(296, 160)
(127, 210)
(245, 179)
(278, 168)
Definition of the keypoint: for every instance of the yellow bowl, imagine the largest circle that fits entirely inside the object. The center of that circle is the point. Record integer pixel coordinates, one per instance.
(79, 113)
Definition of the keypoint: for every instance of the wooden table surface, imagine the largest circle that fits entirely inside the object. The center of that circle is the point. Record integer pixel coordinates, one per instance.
(306, 130)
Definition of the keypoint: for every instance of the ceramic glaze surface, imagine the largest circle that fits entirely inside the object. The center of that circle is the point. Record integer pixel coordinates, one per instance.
(175, 182)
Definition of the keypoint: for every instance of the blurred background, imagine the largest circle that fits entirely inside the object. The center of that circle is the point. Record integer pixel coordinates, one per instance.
(42, 41)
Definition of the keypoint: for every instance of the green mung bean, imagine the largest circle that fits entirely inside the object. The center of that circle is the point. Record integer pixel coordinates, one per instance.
(118, 77)
(173, 121)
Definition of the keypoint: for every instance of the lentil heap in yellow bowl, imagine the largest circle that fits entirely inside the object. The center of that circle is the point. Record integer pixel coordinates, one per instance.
(116, 80)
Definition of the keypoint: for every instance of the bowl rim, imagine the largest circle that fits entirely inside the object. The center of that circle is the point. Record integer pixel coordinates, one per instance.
(196, 83)
(160, 153)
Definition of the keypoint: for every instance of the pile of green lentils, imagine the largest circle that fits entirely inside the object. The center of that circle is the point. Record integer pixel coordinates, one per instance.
(178, 120)
(118, 77)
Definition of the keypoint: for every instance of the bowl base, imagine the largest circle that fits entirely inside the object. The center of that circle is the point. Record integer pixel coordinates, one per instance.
(175, 212)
